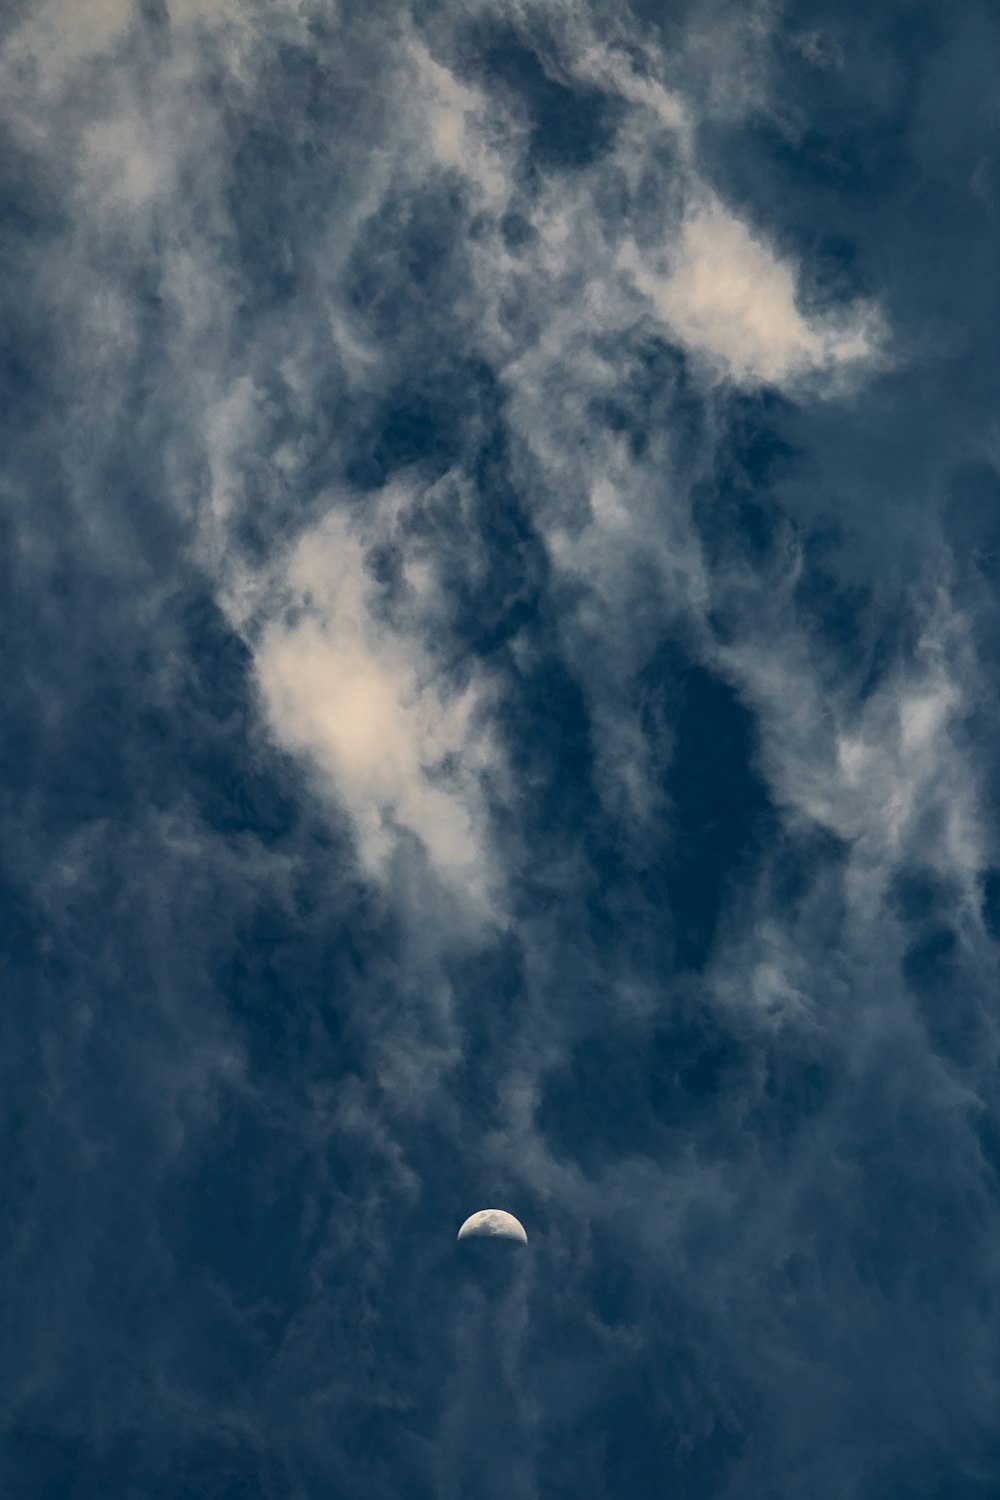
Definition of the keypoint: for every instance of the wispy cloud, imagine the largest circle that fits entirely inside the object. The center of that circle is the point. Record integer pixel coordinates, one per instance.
(486, 744)
(349, 679)
(727, 296)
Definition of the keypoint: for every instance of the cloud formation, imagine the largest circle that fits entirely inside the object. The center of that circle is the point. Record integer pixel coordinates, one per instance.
(501, 596)
(730, 298)
(352, 686)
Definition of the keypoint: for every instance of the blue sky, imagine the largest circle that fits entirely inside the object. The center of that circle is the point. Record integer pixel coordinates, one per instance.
(501, 539)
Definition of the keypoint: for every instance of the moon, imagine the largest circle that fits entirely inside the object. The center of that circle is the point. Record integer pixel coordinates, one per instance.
(493, 1224)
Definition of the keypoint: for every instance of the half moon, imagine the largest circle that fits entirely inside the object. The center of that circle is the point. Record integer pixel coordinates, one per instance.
(493, 1224)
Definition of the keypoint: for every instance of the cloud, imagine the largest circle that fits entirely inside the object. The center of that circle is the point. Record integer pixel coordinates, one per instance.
(517, 730)
(49, 46)
(727, 296)
(347, 680)
(887, 776)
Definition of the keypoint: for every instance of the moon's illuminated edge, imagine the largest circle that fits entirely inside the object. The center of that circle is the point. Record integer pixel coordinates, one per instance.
(493, 1223)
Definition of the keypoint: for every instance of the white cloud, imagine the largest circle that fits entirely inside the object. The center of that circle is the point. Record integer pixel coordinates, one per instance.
(460, 123)
(360, 693)
(889, 777)
(728, 296)
(55, 38)
(341, 678)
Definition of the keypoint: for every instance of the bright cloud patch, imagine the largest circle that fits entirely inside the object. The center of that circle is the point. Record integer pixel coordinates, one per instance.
(360, 694)
(730, 298)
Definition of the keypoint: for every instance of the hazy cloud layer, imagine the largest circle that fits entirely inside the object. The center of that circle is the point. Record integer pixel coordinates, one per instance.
(500, 515)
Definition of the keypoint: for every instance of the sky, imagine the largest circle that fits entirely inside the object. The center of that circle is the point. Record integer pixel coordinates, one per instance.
(500, 602)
